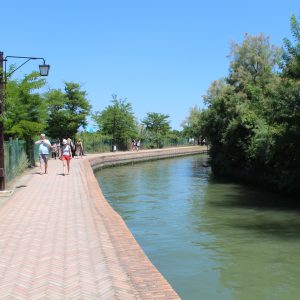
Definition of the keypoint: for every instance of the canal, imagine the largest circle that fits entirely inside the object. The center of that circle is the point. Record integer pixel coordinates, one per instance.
(210, 240)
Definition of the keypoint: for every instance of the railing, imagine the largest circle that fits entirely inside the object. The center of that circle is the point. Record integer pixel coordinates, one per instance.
(164, 143)
(15, 160)
(96, 144)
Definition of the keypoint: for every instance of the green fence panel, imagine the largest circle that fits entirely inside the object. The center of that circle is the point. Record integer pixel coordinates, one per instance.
(164, 143)
(36, 152)
(14, 158)
(96, 144)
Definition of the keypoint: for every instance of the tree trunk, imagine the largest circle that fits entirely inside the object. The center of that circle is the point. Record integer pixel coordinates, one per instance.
(30, 152)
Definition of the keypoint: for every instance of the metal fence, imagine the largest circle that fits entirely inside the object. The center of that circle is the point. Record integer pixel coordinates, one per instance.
(15, 160)
(164, 143)
(97, 144)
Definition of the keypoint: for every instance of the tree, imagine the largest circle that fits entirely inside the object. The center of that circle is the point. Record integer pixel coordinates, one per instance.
(25, 111)
(283, 117)
(252, 63)
(291, 55)
(192, 124)
(67, 110)
(175, 137)
(118, 121)
(236, 114)
(158, 125)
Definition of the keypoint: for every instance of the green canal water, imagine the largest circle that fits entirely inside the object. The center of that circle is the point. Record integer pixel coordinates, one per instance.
(210, 240)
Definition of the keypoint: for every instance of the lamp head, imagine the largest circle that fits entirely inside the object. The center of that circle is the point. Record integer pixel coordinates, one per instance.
(44, 69)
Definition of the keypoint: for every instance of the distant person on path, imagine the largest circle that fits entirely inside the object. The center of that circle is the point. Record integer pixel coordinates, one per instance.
(44, 149)
(73, 146)
(133, 145)
(58, 144)
(54, 150)
(138, 145)
(66, 156)
(79, 148)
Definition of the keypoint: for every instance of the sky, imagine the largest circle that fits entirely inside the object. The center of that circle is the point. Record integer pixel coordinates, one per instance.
(159, 55)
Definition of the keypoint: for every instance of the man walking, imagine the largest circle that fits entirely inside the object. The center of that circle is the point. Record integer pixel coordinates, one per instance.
(44, 148)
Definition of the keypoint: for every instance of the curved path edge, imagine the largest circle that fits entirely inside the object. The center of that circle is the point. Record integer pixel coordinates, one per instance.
(148, 281)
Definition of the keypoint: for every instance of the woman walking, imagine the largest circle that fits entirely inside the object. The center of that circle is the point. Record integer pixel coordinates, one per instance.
(66, 156)
(79, 148)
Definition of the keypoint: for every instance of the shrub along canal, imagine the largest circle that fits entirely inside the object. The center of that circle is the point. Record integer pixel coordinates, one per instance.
(210, 240)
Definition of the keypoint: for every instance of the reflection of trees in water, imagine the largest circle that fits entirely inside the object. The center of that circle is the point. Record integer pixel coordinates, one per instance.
(134, 188)
(258, 246)
(120, 188)
(151, 176)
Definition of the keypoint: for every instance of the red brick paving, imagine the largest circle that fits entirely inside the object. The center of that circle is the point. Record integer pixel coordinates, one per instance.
(60, 239)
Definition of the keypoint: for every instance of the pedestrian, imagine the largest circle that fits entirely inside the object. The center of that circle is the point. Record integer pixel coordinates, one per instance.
(54, 150)
(133, 145)
(66, 156)
(138, 145)
(44, 149)
(58, 144)
(79, 148)
(73, 147)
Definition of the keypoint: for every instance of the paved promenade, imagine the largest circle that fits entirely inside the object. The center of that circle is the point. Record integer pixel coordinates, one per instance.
(60, 239)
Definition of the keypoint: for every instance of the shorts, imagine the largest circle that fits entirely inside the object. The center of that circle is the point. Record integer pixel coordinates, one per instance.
(66, 157)
(43, 157)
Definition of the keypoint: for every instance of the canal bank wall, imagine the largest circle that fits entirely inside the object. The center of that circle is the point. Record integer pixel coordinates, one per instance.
(125, 253)
(127, 157)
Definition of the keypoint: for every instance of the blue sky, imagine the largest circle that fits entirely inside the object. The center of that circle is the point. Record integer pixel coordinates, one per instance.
(161, 55)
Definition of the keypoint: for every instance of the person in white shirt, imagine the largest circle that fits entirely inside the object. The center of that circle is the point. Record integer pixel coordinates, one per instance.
(44, 148)
(138, 145)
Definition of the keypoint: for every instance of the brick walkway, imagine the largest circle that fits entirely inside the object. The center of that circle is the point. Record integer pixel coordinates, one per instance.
(59, 239)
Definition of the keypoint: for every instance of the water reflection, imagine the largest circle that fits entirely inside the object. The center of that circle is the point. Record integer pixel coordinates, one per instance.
(211, 240)
(258, 246)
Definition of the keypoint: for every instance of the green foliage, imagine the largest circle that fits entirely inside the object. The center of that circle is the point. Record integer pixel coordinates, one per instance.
(25, 111)
(67, 110)
(284, 115)
(27, 129)
(94, 142)
(158, 127)
(253, 63)
(21, 104)
(291, 55)
(192, 125)
(117, 121)
(252, 120)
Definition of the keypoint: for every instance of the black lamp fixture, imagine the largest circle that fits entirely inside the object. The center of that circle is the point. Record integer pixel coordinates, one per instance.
(44, 69)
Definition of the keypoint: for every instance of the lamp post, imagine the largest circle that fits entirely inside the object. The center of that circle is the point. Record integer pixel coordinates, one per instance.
(44, 70)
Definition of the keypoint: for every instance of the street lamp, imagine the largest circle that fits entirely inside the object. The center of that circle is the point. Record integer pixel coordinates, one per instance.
(44, 70)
